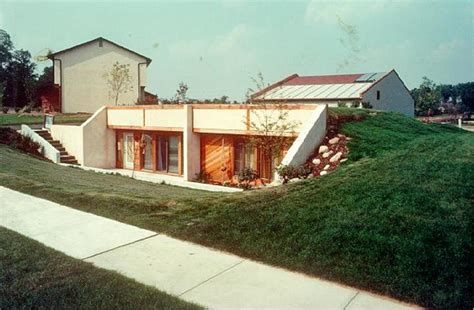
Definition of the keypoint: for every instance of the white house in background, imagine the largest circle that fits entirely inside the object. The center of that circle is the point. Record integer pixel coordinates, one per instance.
(384, 91)
(79, 75)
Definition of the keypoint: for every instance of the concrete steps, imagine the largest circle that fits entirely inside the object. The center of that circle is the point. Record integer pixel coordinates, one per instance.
(64, 155)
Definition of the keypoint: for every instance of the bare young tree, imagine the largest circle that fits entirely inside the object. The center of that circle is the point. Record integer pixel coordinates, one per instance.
(270, 122)
(181, 93)
(118, 80)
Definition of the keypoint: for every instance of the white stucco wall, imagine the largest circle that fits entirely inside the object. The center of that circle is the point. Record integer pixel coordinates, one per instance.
(125, 117)
(165, 117)
(311, 135)
(71, 138)
(227, 119)
(393, 96)
(191, 147)
(92, 143)
(46, 148)
(99, 141)
(235, 119)
(83, 87)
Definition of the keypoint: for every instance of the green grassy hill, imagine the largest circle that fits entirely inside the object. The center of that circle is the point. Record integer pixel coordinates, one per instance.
(395, 219)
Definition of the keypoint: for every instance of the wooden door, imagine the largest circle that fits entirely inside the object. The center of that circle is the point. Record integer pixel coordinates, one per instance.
(217, 157)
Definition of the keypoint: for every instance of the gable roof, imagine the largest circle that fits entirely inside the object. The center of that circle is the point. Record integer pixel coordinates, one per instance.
(319, 87)
(51, 56)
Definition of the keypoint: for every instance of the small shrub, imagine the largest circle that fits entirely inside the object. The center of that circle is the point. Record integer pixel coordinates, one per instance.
(366, 105)
(202, 177)
(355, 104)
(246, 176)
(15, 140)
(288, 172)
(303, 171)
(5, 109)
(17, 109)
(341, 104)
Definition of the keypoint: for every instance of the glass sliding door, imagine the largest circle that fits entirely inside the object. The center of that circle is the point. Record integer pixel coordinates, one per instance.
(147, 152)
(173, 154)
(128, 150)
(161, 153)
(168, 153)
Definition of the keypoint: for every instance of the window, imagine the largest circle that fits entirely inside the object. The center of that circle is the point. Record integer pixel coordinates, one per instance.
(173, 154)
(147, 152)
(244, 157)
(378, 94)
(161, 153)
(167, 153)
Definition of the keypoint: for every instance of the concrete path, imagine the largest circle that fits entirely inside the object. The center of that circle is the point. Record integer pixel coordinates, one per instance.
(194, 273)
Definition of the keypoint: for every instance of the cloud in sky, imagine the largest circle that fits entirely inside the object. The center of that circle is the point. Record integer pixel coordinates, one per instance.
(326, 11)
(216, 47)
(447, 49)
(225, 58)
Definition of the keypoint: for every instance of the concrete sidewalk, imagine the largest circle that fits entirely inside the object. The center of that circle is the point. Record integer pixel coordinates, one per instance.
(207, 277)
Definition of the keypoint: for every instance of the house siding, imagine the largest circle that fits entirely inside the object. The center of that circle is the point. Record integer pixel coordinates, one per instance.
(83, 87)
(393, 95)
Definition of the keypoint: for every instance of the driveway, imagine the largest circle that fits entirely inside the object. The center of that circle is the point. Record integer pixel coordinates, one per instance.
(194, 273)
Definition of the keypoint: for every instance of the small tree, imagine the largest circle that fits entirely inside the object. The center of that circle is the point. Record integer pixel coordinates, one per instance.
(181, 93)
(118, 80)
(270, 123)
(427, 96)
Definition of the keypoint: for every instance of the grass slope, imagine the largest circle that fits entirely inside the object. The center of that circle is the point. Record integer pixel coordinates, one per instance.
(35, 276)
(16, 119)
(395, 219)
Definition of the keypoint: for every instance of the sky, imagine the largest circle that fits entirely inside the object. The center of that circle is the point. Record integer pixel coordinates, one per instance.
(217, 47)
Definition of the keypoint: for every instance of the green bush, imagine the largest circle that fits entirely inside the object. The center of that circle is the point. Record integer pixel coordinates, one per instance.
(366, 105)
(15, 140)
(288, 172)
(245, 176)
(355, 104)
(341, 104)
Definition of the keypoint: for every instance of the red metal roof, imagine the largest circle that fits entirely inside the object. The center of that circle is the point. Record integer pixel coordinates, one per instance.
(324, 79)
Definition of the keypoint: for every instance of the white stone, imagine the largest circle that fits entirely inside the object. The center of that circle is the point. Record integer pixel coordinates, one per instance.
(294, 180)
(323, 149)
(327, 154)
(316, 161)
(334, 140)
(326, 167)
(343, 160)
(336, 157)
(324, 172)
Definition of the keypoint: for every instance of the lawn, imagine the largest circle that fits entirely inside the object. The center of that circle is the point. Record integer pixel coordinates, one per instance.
(395, 219)
(16, 119)
(35, 276)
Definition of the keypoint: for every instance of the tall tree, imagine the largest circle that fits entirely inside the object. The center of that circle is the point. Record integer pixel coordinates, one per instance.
(6, 50)
(427, 96)
(20, 79)
(465, 92)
